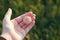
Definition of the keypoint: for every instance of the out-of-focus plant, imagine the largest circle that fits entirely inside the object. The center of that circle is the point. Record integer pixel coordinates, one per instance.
(47, 12)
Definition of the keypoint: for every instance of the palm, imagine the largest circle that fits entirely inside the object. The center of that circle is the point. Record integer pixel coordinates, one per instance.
(20, 26)
(16, 26)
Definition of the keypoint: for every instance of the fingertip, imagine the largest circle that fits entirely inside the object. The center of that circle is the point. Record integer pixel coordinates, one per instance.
(33, 22)
(30, 12)
(10, 10)
(34, 14)
(8, 14)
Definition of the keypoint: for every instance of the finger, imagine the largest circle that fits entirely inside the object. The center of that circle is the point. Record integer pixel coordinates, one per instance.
(28, 27)
(21, 24)
(34, 16)
(26, 20)
(18, 28)
(20, 18)
(8, 14)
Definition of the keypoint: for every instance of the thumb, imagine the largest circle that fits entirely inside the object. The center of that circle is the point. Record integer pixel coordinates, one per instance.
(8, 14)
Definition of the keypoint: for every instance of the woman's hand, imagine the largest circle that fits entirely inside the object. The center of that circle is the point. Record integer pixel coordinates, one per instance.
(17, 27)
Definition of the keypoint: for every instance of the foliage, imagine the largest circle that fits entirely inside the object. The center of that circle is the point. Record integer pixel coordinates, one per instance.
(47, 12)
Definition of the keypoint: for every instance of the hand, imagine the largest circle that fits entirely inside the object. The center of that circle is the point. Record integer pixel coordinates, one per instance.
(16, 27)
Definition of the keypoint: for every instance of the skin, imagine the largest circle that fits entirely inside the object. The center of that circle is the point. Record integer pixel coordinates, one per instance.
(27, 20)
(16, 29)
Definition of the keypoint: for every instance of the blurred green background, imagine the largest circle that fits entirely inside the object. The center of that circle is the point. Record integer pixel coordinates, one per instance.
(47, 12)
